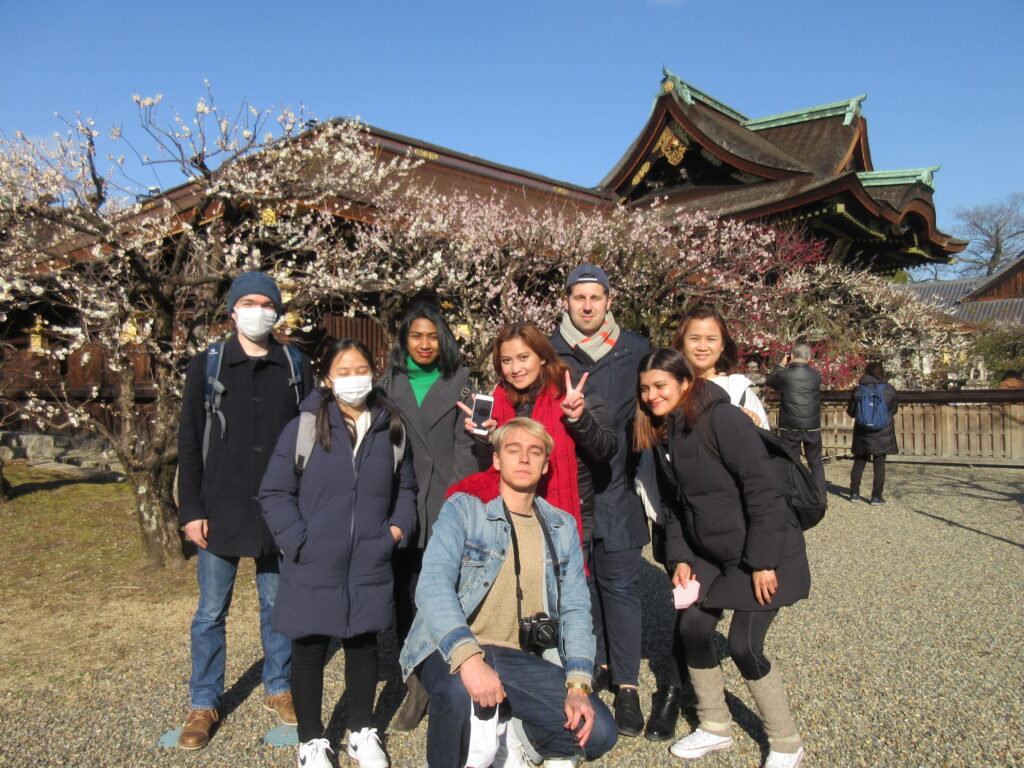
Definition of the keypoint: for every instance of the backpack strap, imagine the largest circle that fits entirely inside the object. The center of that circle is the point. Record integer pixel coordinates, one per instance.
(213, 393)
(295, 369)
(304, 441)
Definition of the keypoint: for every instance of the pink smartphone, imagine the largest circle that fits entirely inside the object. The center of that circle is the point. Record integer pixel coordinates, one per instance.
(686, 594)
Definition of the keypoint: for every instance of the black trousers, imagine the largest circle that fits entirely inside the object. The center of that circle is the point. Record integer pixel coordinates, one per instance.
(406, 565)
(878, 474)
(615, 607)
(695, 627)
(309, 657)
(809, 443)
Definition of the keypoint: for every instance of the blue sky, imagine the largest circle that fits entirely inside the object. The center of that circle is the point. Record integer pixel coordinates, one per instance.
(557, 88)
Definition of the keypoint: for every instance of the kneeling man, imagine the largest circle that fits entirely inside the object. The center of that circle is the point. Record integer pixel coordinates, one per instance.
(491, 599)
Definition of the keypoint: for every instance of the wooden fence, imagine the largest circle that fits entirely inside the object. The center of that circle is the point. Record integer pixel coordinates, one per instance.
(971, 427)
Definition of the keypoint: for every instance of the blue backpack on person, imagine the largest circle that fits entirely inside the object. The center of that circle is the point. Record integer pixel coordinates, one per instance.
(872, 412)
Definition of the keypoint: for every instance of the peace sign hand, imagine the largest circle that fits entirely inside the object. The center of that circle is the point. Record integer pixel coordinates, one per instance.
(572, 405)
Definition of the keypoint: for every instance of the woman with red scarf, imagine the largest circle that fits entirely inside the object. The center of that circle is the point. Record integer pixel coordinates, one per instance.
(534, 382)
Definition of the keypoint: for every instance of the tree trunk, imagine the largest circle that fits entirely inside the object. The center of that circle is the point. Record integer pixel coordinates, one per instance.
(5, 487)
(158, 515)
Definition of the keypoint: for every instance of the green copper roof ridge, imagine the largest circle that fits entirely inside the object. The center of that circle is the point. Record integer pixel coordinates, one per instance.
(848, 107)
(689, 94)
(898, 177)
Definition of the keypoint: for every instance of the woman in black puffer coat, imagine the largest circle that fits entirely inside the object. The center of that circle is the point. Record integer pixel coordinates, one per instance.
(874, 444)
(730, 528)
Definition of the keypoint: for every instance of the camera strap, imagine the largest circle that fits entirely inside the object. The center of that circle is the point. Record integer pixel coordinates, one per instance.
(515, 556)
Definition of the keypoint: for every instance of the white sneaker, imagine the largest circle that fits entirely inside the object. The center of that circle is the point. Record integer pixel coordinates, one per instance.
(313, 754)
(364, 747)
(561, 762)
(784, 759)
(698, 744)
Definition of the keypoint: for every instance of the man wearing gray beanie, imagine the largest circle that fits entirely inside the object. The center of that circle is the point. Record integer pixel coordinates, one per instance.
(239, 395)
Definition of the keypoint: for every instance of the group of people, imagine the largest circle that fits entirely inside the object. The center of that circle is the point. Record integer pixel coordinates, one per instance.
(504, 548)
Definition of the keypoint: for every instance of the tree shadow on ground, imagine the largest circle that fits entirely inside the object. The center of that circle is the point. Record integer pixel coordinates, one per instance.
(100, 478)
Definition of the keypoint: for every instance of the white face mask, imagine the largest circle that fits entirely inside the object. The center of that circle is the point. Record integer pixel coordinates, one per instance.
(352, 390)
(255, 322)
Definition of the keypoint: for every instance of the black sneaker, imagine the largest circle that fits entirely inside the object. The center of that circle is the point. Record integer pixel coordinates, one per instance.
(628, 716)
(876, 501)
(856, 497)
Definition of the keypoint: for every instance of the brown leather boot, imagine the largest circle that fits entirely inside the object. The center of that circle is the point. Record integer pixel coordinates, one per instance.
(195, 733)
(281, 703)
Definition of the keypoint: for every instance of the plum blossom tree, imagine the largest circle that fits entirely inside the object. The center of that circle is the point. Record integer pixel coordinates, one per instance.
(139, 282)
(136, 282)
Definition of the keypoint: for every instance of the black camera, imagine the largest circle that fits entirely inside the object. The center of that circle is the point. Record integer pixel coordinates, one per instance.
(538, 633)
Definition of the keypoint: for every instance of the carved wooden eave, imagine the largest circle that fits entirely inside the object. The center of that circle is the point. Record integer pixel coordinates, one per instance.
(812, 165)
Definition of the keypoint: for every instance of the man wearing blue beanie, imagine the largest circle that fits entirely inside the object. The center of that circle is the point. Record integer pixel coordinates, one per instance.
(239, 395)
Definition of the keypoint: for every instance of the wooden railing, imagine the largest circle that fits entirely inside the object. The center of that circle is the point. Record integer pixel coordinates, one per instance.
(983, 426)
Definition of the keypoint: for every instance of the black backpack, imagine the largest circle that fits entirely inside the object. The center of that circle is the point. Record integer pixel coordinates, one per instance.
(802, 493)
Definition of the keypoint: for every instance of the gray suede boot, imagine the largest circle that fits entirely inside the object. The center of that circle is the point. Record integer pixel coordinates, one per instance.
(712, 712)
(773, 706)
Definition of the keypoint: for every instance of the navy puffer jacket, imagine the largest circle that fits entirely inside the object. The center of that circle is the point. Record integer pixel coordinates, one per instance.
(332, 525)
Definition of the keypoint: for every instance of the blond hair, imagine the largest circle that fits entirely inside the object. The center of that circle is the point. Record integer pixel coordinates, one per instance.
(530, 426)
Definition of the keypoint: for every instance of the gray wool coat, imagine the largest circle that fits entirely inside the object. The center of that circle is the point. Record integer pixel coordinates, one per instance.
(442, 450)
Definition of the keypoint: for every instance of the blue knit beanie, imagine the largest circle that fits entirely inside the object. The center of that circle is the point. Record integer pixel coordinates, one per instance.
(254, 282)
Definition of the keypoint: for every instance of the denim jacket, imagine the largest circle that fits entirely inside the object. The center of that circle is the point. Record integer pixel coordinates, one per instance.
(466, 550)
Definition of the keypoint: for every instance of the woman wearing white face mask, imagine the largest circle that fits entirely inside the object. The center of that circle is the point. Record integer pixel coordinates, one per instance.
(337, 523)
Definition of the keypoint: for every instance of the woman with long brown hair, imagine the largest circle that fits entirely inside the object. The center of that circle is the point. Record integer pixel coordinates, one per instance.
(727, 526)
(534, 382)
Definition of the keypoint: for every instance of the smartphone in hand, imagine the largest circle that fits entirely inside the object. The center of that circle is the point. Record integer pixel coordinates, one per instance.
(482, 407)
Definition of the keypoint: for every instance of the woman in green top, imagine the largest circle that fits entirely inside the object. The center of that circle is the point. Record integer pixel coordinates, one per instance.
(425, 380)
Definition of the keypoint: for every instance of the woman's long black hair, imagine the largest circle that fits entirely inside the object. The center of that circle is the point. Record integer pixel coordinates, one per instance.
(448, 349)
(375, 399)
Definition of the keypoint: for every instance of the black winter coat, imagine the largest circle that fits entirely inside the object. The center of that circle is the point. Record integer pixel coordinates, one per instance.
(442, 450)
(332, 525)
(619, 519)
(881, 441)
(800, 388)
(257, 403)
(730, 518)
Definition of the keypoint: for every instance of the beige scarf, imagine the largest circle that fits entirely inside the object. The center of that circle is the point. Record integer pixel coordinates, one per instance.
(596, 346)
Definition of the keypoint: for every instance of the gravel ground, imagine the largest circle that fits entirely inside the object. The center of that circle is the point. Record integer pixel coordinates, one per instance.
(907, 654)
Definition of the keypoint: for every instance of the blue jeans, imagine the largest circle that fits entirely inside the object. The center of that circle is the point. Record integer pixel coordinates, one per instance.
(209, 646)
(535, 691)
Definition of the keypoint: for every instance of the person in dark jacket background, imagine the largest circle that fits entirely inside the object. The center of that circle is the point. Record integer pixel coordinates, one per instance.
(337, 524)
(217, 493)
(872, 444)
(731, 529)
(425, 380)
(799, 425)
(589, 340)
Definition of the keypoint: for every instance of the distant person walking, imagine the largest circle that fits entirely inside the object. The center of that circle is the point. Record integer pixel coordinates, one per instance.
(872, 405)
(799, 386)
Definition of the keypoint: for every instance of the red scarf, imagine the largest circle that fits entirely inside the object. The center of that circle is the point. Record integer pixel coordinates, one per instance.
(560, 486)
